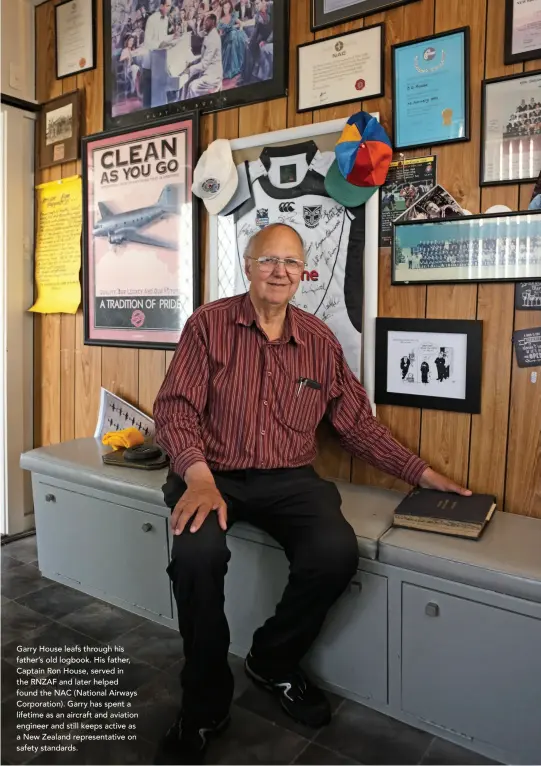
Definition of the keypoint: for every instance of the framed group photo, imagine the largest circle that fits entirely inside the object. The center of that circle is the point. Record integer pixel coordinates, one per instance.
(328, 13)
(140, 234)
(475, 248)
(522, 30)
(431, 90)
(430, 363)
(60, 130)
(164, 59)
(511, 129)
(341, 69)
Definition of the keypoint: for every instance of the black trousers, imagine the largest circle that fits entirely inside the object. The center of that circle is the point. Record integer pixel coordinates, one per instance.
(302, 512)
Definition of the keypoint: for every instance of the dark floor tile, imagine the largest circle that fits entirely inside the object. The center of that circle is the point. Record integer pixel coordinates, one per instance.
(92, 753)
(25, 549)
(20, 624)
(9, 679)
(56, 600)
(319, 756)
(153, 643)
(21, 580)
(251, 739)
(157, 704)
(444, 753)
(102, 621)
(4, 600)
(371, 737)
(268, 706)
(8, 562)
(52, 635)
(242, 682)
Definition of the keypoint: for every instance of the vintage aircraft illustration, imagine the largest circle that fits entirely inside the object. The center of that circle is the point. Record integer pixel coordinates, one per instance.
(124, 227)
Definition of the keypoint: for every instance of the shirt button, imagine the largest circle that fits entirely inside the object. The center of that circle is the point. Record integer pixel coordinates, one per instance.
(265, 403)
(262, 433)
(269, 374)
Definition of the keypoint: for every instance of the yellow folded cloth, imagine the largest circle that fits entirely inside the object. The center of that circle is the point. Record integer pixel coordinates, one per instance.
(128, 437)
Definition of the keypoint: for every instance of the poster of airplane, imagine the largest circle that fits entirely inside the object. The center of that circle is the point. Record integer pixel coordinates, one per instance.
(140, 239)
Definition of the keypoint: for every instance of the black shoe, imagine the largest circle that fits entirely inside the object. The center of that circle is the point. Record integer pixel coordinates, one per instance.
(299, 697)
(186, 741)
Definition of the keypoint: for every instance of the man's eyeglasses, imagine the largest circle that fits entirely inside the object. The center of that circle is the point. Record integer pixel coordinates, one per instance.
(267, 264)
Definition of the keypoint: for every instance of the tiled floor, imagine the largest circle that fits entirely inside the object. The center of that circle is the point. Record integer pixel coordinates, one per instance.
(37, 611)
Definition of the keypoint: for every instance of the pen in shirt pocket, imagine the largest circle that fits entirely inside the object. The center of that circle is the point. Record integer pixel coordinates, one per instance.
(307, 382)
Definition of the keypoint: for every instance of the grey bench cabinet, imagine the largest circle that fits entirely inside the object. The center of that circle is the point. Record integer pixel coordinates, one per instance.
(441, 633)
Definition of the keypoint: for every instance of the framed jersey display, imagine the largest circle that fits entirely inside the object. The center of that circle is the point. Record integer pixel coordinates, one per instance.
(165, 59)
(286, 173)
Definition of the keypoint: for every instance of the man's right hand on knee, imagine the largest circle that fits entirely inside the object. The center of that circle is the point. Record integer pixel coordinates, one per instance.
(201, 498)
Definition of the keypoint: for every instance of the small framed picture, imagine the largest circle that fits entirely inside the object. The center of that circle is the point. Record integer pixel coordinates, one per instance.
(498, 247)
(75, 36)
(430, 363)
(511, 129)
(522, 30)
(328, 13)
(341, 69)
(59, 130)
(431, 84)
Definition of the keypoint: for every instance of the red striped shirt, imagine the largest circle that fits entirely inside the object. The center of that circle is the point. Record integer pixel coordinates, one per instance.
(230, 396)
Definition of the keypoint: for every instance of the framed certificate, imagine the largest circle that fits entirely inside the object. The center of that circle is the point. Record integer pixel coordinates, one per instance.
(328, 13)
(341, 69)
(75, 34)
(511, 129)
(431, 90)
(522, 30)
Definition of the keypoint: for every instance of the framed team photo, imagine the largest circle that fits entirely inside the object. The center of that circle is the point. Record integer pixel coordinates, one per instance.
(498, 247)
(284, 175)
(140, 235)
(328, 13)
(430, 363)
(167, 57)
(511, 129)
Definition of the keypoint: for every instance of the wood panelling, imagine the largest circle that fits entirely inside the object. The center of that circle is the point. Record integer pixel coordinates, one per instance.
(498, 450)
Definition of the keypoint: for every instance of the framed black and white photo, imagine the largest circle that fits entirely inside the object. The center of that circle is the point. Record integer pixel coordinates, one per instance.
(75, 37)
(60, 130)
(430, 363)
(511, 129)
(475, 248)
(328, 13)
(341, 69)
(165, 59)
(522, 30)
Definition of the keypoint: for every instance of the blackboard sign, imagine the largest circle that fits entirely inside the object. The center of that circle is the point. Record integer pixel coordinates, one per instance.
(528, 296)
(528, 347)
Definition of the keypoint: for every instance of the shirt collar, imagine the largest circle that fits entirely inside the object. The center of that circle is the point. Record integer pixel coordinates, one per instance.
(246, 316)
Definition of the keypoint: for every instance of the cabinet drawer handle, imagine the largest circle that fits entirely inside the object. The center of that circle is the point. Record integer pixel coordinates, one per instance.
(146, 527)
(50, 498)
(432, 610)
(355, 586)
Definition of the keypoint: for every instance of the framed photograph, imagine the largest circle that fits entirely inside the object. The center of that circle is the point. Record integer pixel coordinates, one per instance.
(511, 129)
(165, 59)
(431, 99)
(341, 69)
(286, 171)
(140, 235)
(498, 247)
(522, 30)
(408, 181)
(60, 130)
(75, 37)
(328, 13)
(430, 363)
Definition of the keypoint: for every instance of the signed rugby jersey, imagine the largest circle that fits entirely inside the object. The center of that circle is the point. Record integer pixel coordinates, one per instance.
(288, 187)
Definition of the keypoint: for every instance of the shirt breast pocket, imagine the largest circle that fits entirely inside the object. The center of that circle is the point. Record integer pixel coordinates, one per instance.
(303, 411)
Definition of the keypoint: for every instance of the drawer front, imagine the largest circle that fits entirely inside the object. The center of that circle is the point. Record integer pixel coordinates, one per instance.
(472, 668)
(351, 650)
(113, 548)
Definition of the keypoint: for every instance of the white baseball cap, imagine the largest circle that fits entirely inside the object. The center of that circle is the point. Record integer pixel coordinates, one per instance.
(215, 177)
(243, 192)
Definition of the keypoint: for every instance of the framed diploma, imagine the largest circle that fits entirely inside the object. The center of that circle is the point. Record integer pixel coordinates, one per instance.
(522, 30)
(341, 69)
(511, 129)
(75, 34)
(431, 90)
(328, 13)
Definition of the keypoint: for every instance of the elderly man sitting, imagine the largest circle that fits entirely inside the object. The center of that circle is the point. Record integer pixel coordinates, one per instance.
(251, 379)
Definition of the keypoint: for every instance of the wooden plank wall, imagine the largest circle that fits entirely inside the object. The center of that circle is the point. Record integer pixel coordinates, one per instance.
(497, 451)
